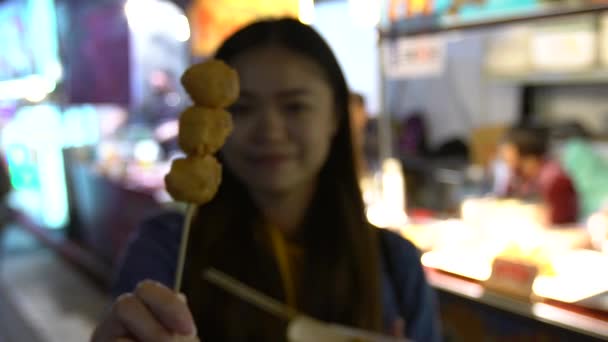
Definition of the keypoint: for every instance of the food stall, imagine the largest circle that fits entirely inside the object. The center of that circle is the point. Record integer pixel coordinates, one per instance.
(500, 271)
(498, 255)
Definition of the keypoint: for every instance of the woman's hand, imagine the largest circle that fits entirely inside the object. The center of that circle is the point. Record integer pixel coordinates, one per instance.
(398, 328)
(151, 313)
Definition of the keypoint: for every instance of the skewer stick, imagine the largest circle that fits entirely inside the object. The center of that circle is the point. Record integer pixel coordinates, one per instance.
(249, 295)
(183, 246)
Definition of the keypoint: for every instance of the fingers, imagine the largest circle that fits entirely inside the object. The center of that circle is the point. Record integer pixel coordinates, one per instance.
(168, 308)
(398, 328)
(135, 317)
(110, 329)
(153, 313)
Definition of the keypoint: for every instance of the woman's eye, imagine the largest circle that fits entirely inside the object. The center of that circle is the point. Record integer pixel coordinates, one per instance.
(295, 108)
(240, 109)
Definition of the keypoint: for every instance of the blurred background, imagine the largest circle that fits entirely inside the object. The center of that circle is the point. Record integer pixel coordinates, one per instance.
(89, 101)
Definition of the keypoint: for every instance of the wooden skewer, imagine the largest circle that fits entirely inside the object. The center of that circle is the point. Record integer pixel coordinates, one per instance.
(183, 247)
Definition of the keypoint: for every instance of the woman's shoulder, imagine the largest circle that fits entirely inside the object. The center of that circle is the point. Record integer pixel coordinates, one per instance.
(396, 246)
(151, 252)
(413, 298)
(160, 232)
(400, 261)
(162, 229)
(167, 225)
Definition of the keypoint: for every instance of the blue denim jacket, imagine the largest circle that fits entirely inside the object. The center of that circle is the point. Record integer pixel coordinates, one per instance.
(152, 254)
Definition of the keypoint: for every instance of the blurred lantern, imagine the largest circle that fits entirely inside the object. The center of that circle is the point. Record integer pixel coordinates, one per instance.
(214, 20)
(306, 12)
(146, 14)
(388, 210)
(365, 13)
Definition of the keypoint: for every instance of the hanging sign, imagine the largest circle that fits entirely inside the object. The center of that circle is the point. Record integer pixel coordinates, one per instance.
(416, 57)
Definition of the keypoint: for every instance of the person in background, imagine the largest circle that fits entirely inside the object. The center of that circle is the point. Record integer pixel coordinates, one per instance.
(288, 219)
(413, 139)
(358, 121)
(534, 176)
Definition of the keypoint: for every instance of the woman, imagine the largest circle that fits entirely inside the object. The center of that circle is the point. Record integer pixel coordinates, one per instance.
(288, 218)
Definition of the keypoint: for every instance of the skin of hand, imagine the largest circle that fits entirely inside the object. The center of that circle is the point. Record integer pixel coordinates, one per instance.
(152, 313)
(398, 328)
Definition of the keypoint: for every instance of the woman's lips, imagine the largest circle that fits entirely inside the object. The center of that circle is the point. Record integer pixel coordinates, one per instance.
(270, 160)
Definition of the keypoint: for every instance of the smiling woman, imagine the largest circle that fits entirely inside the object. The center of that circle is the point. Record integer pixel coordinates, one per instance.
(288, 218)
(283, 123)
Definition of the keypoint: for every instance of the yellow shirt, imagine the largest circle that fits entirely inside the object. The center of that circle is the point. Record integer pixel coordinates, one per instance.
(288, 256)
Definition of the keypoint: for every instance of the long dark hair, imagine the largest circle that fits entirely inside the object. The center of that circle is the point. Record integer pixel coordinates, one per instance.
(340, 277)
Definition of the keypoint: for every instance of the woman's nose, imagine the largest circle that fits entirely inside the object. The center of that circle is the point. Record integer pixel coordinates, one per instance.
(270, 126)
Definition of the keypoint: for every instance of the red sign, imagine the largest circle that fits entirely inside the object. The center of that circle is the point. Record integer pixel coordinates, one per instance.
(512, 277)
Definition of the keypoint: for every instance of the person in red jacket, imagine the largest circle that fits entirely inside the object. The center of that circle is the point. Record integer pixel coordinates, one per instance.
(535, 176)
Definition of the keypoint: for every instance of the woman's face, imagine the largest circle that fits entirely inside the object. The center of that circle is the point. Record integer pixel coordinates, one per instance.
(284, 121)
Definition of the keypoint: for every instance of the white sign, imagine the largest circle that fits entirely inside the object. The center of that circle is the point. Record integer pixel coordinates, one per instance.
(603, 37)
(564, 45)
(417, 57)
(507, 51)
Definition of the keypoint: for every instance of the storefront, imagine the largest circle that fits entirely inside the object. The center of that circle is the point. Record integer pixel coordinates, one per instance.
(31, 136)
(469, 71)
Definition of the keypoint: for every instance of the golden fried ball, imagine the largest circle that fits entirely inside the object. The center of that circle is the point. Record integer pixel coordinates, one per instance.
(203, 130)
(211, 84)
(194, 179)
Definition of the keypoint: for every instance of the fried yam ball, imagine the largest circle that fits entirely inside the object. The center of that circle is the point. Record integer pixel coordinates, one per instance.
(211, 84)
(203, 131)
(194, 179)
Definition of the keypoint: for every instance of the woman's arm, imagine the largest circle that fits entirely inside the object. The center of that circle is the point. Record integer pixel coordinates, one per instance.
(417, 300)
(151, 254)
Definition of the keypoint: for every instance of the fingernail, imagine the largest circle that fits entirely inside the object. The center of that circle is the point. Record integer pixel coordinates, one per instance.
(157, 283)
(194, 332)
(149, 283)
(182, 297)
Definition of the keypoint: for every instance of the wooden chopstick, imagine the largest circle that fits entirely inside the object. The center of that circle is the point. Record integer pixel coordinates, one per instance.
(279, 309)
(249, 295)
